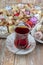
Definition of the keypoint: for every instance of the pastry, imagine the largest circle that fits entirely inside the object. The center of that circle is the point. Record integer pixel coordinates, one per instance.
(1, 11)
(2, 20)
(11, 28)
(16, 14)
(21, 15)
(38, 35)
(40, 27)
(9, 20)
(8, 10)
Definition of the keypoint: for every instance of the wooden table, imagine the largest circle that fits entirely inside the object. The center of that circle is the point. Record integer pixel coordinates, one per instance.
(8, 58)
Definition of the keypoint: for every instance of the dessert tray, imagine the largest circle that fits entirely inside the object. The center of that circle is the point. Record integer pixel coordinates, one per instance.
(11, 47)
(10, 16)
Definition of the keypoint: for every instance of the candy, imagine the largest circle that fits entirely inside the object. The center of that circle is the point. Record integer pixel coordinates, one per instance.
(37, 16)
(27, 12)
(29, 23)
(33, 20)
(8, 8)
(38, 7)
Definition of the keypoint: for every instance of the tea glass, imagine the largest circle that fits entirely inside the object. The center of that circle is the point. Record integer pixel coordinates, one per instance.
(21, 37)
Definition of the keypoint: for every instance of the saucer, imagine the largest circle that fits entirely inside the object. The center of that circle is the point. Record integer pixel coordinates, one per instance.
(11, 47)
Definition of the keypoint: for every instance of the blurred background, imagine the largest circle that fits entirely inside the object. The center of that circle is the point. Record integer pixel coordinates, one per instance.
(3, 3)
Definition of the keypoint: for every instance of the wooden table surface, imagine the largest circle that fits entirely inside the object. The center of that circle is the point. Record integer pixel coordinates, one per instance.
(8, 58)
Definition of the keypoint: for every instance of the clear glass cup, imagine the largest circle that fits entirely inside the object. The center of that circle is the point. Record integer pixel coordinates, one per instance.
(21, 36)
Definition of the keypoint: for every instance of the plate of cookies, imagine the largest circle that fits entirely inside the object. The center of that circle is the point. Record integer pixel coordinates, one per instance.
(37, 32)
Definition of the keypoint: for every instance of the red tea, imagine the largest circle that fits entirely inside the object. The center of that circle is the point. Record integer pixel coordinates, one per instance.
(21, 39)
(22, 30)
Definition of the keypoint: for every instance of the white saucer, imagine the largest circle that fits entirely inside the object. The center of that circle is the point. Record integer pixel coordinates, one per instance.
(33, 32)
(10, 45)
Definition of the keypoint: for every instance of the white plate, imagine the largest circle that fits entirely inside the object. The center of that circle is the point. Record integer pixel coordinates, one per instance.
(10, 45)
(33, 32)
